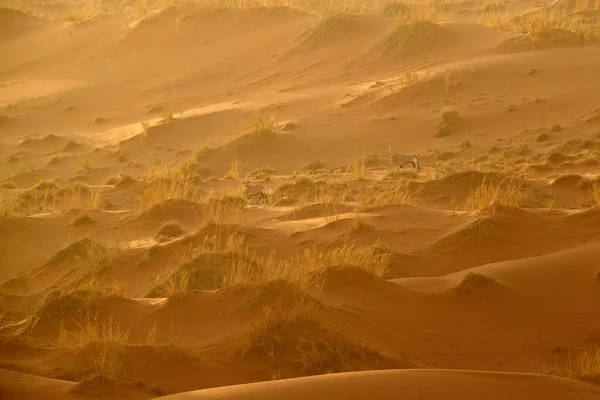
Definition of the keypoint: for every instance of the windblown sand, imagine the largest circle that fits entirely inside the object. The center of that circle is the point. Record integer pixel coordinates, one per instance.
(132, 265)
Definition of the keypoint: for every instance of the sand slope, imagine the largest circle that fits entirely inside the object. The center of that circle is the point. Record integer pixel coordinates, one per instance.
(432, 384)
(132, 265)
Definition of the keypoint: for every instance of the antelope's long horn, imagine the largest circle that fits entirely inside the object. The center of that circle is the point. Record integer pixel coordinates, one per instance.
(390, 148)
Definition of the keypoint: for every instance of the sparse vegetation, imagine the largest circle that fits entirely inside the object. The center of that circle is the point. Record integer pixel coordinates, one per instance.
(502, 192)
(167, 183)
(407, 34)
(300, 345)
(449, 120)
(475, 280)
(586, 365)
(169, 230)
(347, 245)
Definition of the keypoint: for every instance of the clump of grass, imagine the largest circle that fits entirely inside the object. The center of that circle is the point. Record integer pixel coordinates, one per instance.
(262, 173)
(585, 366)
(70, 146)
(410, 13)
(405, 34)
(167, 183)
(169, 230)
(44, 184)
(300, 345)
(84, 248)
(225, 209)
(167, 117)
(118, 180)
(465, 144)
(542, 137)
(65, 306)
(7, 185)
(234, 169)
(312, 167)
(358, 168)
(83, 219)
(373, 259)
(204, 153)
(556, 128)
(96, 349)
(474, 280)
(505, 192)
(595, 194)
(11, 204)
(398, 194)
(210, 270)
(448, 121)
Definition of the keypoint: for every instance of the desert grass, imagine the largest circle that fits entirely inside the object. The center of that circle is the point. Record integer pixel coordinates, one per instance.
(406, 33)
(97, 349)
(586, 365)
(475, 280)
(225, 260)
(167, 183)
(595, 195)
(399, 193)
(299, 344)
(93, 253)
(313, 167)
(169, 230)
(223, 209)
(407, 13)
(448, 121)
(261, 129)
(504, 192)
(359, 167)
(10, 204)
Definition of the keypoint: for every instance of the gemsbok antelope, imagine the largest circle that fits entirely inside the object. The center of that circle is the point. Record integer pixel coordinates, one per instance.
(255, 190)
(401, 160)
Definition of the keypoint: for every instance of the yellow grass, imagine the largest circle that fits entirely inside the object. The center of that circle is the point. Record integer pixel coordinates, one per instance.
(300, 345)
(10, 203)
(167, 183)
(595, 194)
(102, 347)
(397, 194)
(225, 209)
(505, 192)
(586, 365)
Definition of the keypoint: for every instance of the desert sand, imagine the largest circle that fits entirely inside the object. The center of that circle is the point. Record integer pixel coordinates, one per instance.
(133, 264)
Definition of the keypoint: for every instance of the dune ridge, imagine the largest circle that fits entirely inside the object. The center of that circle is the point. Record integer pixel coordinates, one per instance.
(135, 264)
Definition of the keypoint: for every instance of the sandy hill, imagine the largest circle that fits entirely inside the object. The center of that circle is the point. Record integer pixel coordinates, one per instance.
(134, 264)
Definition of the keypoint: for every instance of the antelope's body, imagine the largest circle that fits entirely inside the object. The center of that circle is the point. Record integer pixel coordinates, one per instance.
(401, 160)
(255, 191)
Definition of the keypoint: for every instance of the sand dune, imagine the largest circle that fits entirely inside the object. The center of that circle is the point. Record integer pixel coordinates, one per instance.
(433, 384)
(133, 265)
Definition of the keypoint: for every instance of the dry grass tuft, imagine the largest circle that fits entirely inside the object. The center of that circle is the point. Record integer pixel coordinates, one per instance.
(169, 230)
(70, 306)
(297, 344)
(313, 167)
(94, 349)
(399, 193)
(167, 183)
(595, 195)
(503, 192)
(84, 248)
(475, 280)
(406, 35)
(225, 209)
(448, 121)
(410, 13)
(585, 366)
(83, 219)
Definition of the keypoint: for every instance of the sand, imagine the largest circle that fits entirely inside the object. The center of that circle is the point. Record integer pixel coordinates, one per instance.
(133, 266)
